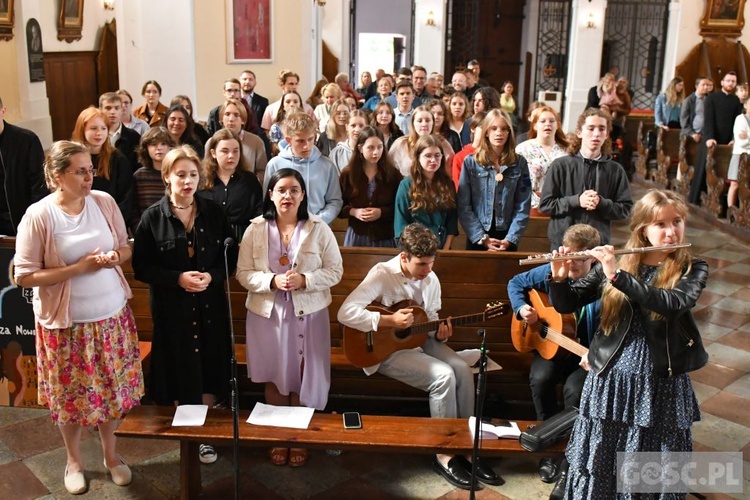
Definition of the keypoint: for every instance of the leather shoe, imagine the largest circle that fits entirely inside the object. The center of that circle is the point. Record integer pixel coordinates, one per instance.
(548, 470)
(558, 492)
(455, 473)
(484, 472)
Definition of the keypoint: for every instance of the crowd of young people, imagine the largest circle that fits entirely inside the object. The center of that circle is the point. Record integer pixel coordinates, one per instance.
(405, 168)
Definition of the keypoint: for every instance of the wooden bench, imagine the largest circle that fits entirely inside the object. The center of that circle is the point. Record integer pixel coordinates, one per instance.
(689, 150)
(739, 216)
(636, 126)
(717, 165)
(534, 239)
(469, 281)
(378, 434)
(667, 157)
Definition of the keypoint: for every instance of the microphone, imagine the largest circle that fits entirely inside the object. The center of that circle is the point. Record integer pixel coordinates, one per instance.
(228, 243)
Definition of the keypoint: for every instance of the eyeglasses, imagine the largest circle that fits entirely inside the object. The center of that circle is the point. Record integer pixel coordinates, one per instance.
(437, 156)
(82, 172)
(294, 192)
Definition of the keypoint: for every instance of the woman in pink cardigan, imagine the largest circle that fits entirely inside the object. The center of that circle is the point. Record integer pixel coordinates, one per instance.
(70, 246)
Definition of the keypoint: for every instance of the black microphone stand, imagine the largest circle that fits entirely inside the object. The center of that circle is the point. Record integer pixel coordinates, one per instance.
(233, 381)
(478, 409)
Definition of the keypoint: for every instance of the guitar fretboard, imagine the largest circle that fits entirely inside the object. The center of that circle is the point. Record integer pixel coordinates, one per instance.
(456, 321)
(560, 339)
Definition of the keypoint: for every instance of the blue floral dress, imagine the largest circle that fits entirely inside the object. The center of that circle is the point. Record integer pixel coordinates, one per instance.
(628, 408)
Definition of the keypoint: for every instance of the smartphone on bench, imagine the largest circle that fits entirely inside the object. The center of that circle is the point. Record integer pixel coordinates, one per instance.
(352, 420)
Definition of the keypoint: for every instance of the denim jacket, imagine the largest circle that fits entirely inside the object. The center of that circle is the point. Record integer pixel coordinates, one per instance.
(480, 195)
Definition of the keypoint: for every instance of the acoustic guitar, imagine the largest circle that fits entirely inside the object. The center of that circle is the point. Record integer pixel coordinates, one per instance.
(551, 332)
(370, 348)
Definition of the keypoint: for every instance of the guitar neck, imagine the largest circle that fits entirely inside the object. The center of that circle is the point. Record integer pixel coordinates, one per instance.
(455, 321)
(566, 343)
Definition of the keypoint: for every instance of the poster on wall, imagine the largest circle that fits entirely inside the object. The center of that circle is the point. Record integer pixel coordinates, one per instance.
(18, 379)
(35, 51)
(249, 31)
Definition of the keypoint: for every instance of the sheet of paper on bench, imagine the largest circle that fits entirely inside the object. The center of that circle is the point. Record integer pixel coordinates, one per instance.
(490, 431)
(186, 415)
(471, 356)
(294, 417)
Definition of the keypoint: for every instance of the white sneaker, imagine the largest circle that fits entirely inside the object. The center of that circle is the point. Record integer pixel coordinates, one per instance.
(207, 454)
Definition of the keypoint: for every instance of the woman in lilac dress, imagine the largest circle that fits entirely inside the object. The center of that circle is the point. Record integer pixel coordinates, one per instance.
(289, 260)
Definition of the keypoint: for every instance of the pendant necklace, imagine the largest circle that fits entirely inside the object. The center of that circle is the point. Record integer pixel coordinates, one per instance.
(284, 259)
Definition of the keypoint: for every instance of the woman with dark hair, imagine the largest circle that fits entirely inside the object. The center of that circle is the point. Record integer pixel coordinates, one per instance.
(233, 117)
(179, 252)
(289, 259)
(148, 186)
(508, 103)
(428, 196)
(290, 102)
(185, 102)
(152, 112)
(316, 96)
(368, 187)
(442, 125)
(113, 172)
(383, 118)
(230, 183)
(180, 126)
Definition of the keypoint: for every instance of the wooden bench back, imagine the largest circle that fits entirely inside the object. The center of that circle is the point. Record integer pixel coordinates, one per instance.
(739, 216)
(689, 151)
(667, 155)
(717, 165)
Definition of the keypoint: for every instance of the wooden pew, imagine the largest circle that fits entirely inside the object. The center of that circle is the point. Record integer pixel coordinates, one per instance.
(378, 434)
(469, 281)
(667, 157)
(641, 164)
(739, 216)
(717, 164)
(534, 239)
(689, 150)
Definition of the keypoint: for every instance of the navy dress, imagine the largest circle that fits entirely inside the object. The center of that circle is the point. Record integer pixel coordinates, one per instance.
(628, 409)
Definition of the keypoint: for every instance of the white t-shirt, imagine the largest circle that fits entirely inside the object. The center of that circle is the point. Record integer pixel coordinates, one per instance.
(96, 295)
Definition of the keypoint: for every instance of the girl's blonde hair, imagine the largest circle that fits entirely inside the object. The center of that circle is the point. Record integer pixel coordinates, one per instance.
(183, 152)
(677, 263)
(331, 127)
(484, 152)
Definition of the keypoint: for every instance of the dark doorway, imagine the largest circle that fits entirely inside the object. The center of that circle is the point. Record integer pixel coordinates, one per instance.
(489, 31)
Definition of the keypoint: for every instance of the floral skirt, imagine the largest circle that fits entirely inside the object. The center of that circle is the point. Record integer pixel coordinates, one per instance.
(90, 373)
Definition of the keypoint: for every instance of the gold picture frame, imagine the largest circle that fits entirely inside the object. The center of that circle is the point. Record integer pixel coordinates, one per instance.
(6, 19)
(723, 17)
(71, 20)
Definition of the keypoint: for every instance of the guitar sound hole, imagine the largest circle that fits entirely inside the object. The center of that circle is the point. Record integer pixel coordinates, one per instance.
(543, 329)
(402, 334)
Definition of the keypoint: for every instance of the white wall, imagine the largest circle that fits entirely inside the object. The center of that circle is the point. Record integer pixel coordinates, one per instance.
(165, 53)
(429, 41)
(335, 30)
(584, 57)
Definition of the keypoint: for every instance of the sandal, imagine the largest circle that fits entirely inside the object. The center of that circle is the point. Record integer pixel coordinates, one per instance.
(279, 456)
(297, 457)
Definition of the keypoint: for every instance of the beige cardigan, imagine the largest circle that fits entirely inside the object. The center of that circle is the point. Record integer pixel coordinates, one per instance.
(318, 259)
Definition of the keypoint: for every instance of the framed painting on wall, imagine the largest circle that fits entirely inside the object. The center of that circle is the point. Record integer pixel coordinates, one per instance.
(6, 19)
(70, 24)
(723, 17)
(249, 31)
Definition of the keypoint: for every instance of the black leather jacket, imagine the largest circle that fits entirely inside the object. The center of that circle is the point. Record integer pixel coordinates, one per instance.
(674, 340)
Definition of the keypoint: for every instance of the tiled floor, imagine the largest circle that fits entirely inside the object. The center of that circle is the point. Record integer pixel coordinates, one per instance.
(32, 457)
